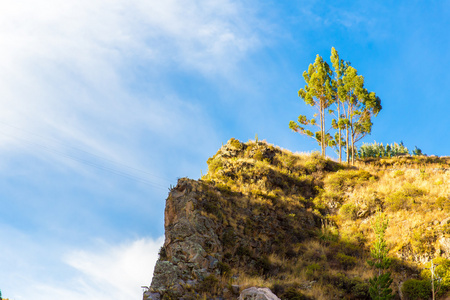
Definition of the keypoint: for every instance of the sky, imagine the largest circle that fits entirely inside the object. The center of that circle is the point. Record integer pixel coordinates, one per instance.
(106, 103)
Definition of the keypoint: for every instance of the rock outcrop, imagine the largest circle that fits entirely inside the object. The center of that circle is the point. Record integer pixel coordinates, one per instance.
(265, 223)
(191, 250)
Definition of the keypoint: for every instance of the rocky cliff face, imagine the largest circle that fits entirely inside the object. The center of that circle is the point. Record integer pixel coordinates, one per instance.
(216, 236)
(192, 248)
(297, 224)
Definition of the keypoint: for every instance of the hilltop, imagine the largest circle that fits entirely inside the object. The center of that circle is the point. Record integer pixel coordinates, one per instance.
(300, 225)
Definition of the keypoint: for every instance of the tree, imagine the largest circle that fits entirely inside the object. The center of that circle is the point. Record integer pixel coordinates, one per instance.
(317, 93)
(359, 106)
(380, 284)
(339, 67)
(344, 88)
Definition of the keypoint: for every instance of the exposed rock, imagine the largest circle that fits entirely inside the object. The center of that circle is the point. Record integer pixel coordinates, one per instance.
(254, 293)
(444, 245)
(191, 247)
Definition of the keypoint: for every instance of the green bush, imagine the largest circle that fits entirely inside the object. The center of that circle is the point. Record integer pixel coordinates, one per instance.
(403, 198)
(415, 289)
(422, 240)
(360, 290)
(344, 179)
(214, 165)
(346, 261)
(378, 150)
(235, 143)
(442, 273)
(443, 203)
(348, 211)
(313, 270)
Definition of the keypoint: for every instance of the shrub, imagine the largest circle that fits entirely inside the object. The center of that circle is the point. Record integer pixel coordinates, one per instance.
(258, 156)
(293, 294)
(378, 150)
(346, 261)
(162, 254)
(442, 273)
(343, 179)
(235, 143)
(263, 264)
(360, 290)
(313, 270)
(403, 198)
(328, 232)
(224, 269)
(422, 240)
(414, 289)
(443, 203)
(348, 211)
(214, 165)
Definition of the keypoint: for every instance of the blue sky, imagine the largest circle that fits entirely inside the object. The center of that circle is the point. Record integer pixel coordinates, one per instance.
(105, 103)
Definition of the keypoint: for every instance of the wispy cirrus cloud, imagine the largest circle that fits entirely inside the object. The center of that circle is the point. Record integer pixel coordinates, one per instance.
(93, 81)
(75, 71)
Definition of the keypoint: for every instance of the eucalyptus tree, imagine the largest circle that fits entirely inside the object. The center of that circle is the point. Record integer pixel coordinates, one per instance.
(317, 93)
(339, 67)
(359, 107)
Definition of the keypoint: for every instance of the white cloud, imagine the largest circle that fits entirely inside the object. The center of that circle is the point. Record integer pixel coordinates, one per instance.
(68, 69)
(106, 272)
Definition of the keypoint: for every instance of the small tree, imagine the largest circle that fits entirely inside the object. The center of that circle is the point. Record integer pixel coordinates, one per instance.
(380, 284)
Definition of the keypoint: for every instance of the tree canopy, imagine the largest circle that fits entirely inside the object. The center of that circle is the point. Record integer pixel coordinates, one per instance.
(355, 106)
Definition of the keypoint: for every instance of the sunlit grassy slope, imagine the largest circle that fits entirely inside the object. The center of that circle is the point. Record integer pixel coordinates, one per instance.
(303, 223)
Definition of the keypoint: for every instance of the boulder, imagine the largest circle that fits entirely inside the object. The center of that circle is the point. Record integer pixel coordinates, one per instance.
(255, 293)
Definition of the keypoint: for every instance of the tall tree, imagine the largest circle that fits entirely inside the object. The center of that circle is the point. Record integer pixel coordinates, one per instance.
(359, 106)
(380, 284)
(317, 93)
(339, 67)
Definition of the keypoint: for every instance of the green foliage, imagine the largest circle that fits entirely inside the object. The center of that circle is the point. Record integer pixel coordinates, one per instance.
(417, 151)
(403, 198)
(415, 289)
(224, 269)
(214, 164)
(380, 283)
(441, 273)
(328, 232)
(355, 105)
(378, 150)
(317, 93)
(348, 211)
(343, 179)
(235, 143)
(422, 240)
(347, 262)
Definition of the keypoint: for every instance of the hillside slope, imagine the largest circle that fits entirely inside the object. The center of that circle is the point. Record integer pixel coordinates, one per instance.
(298, 224)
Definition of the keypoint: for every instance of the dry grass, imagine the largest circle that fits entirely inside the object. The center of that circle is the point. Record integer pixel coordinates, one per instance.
(413, 192)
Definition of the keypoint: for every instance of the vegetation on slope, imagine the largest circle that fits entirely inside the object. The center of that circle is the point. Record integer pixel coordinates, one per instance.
(304, 223)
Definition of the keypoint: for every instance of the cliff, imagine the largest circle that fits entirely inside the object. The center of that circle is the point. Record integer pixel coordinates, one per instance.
(297, 224)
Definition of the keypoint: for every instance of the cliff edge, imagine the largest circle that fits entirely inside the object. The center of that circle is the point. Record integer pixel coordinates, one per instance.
(295, 223)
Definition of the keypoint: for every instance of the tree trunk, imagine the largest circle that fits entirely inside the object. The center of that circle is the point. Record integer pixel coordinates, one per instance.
(339, 130)
(322, 126)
